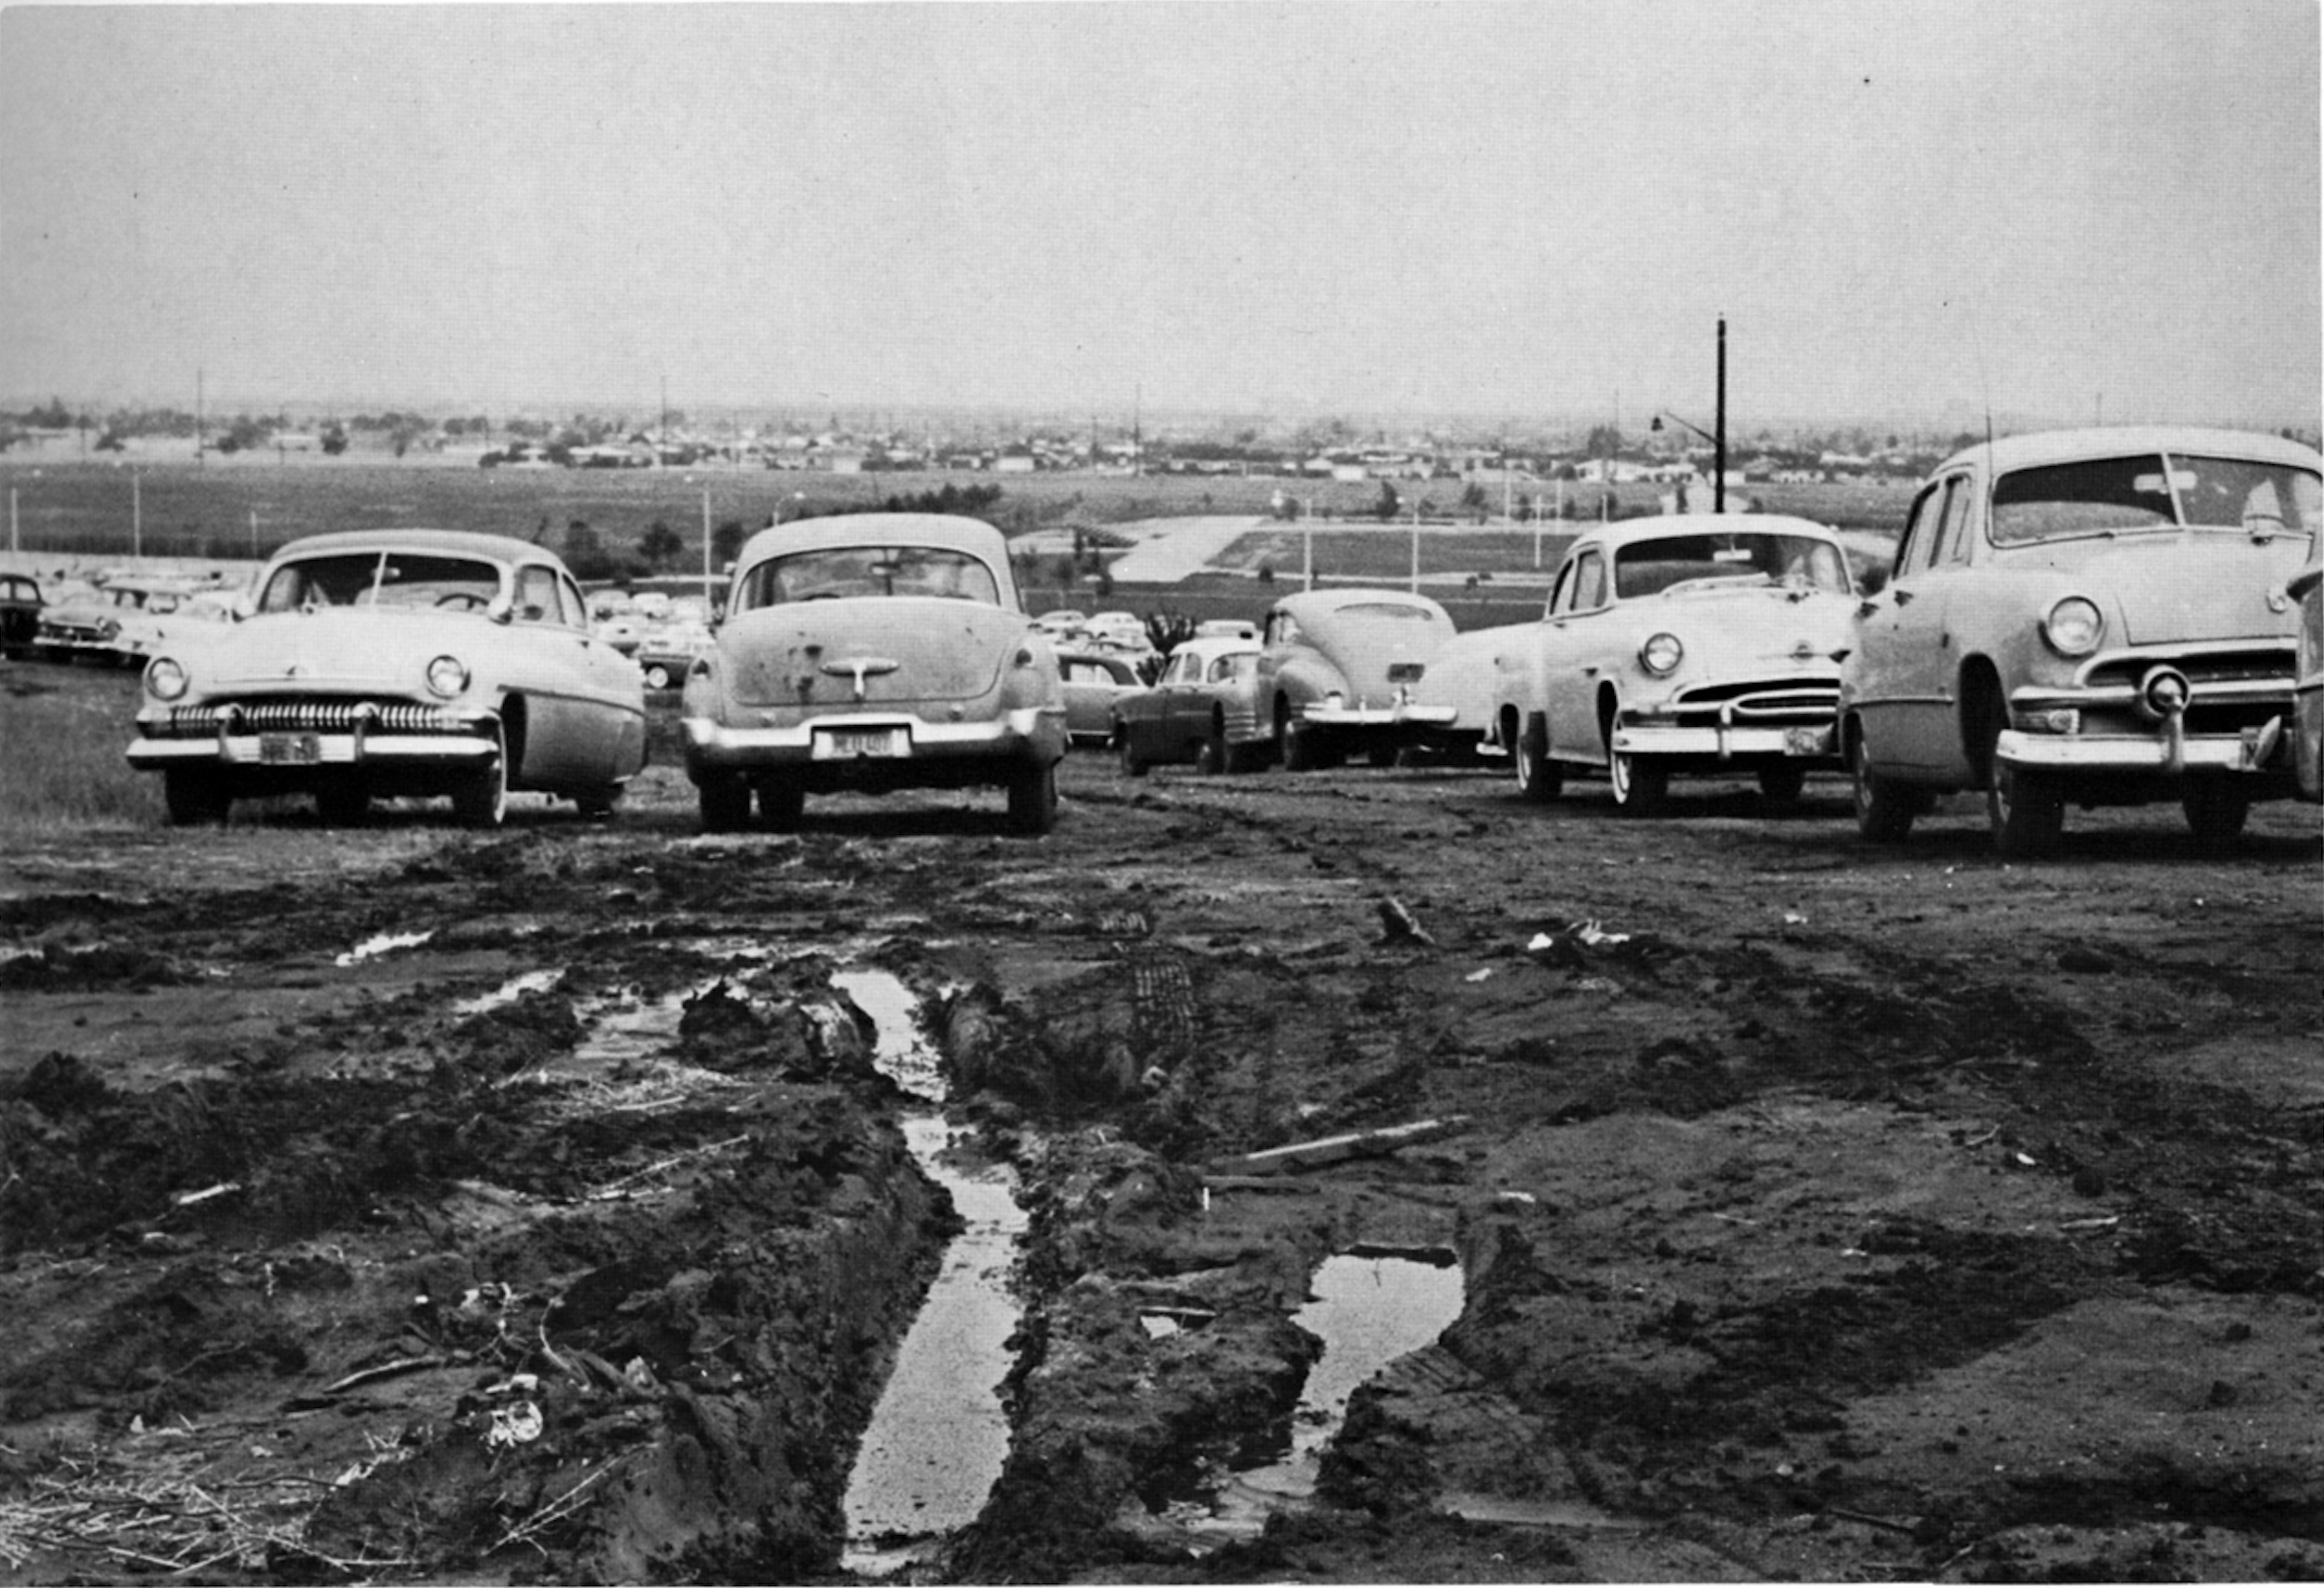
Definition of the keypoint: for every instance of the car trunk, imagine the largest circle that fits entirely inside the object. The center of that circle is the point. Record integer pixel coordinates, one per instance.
(897, 653)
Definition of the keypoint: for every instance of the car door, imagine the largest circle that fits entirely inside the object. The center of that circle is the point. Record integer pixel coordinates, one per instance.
(1911, 673)
(1569, 665)
(584, 721)
(1186, 710)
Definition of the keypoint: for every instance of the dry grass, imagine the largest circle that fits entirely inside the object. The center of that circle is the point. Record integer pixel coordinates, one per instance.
(63, 768)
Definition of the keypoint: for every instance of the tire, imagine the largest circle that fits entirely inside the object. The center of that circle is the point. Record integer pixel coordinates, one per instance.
(1032, 799)
(657, 676)
(1246, 756)
(598, 803)
(2215, 808)
(343, 802)
(2027, 810)
(1132, 765)
(1884, 812)
(782, 805)
(1641, 784)
(1297, 746)
(1380, 757)
(1210, 757)
(196, 795)
(725, 802)
(1781, 785)
(1539, 779)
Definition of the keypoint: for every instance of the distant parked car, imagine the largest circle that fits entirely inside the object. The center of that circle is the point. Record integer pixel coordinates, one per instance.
(1204, 709)
(665, 650)
(2307, 589)
(1693, 643)
(1337, 672)
(131, 617)
(875, 652)
(19, 613)
(1226, 628)
(2086, 617)
(397, 663)
(1062, 622)
(1125, 629)
(1094, 680)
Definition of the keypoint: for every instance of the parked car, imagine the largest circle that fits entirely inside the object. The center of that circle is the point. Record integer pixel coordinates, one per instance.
(1094, 680)
(1692, 643)
(875, 652)
(1226, 628)
(1462, 682)
(390, 663)
(19, 613)
(2085, 617)
(2307, 589)
(131, 617)
(1125, 629)
(665, 650)
(1204, 709)
(1061, 623)
(1336, 671)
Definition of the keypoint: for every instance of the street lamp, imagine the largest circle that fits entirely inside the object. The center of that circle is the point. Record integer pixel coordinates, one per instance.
(1718, 441)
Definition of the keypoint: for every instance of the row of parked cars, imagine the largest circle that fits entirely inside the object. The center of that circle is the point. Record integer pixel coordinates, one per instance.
(118, 621)
(2072, 619)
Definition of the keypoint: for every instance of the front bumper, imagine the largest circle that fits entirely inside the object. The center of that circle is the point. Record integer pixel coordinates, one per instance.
(1034, 733)
(1719, 742)
(286, 739)
(2251, 750)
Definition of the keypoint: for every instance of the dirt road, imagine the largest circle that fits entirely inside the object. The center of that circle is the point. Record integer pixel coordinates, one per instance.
(406, 1203)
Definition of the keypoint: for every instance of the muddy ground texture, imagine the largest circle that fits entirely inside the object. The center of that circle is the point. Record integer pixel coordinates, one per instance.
(1823, 1212)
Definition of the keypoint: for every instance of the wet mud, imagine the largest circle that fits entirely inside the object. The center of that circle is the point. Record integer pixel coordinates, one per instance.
(403, 1204)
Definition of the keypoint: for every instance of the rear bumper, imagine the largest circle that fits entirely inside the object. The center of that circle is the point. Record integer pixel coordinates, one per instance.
(1355, 717)
(1034, 733)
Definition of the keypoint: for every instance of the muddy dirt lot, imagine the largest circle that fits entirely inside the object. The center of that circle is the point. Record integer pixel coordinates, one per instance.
(406, 1203)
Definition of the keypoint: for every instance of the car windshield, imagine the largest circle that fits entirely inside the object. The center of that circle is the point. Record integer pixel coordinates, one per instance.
(1681, 562)
(381, 578)
(870, 570)
(2109, 495)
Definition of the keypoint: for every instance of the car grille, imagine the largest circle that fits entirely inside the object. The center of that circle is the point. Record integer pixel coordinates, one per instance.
(2231, 689)
(2260, 666)
(308, 716)
(1787, 700)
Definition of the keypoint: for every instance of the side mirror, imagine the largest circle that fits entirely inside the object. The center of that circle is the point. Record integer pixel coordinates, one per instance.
(500, 609)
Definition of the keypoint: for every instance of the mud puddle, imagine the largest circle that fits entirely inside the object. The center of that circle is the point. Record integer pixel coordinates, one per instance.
(939, 1434)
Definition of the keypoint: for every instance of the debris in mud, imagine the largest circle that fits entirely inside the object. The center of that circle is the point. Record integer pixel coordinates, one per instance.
(1338, 1149)
(1399, 924)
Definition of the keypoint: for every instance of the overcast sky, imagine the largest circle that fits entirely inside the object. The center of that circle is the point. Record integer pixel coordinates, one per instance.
(2090, 209)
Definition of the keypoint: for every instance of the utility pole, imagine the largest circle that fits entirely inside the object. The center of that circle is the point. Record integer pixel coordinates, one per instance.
(1718, 443)
(1416, 548)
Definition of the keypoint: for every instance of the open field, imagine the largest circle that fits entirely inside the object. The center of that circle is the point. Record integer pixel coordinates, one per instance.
(250, 507)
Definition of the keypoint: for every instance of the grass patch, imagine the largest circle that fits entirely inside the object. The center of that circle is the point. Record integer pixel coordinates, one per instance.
(64, 767)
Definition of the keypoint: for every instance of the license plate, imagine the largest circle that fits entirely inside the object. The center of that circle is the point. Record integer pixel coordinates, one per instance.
(290, 749)
(1805, 741)
(860, 744)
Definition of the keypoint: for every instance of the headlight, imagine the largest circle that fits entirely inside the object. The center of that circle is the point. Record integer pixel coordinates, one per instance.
(107, 628)
(1661, 654)
(2073, 626)
(446, 676)
(165, 679)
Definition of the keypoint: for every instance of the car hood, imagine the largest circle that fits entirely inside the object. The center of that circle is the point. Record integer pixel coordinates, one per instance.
(906, 650)
(1761, 624)
(340, 650)
(2169, 588)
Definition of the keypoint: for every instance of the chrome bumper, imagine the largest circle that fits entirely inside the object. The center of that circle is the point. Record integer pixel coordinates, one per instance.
(1031, 732)
(1380, 717)
(2254, 751)
(1725, 744)
(291, 751)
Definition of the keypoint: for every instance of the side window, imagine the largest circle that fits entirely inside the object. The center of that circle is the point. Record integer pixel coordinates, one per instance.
(1562, 592)
(1954, 545)
(1180, 671)
(576, 611)
(1589, 583)
(536, 595)
(1923, 530)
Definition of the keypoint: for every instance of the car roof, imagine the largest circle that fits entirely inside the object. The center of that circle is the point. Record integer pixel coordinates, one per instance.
(466, 543)
(2066, 446)
(1211, 647)
(1307, 604)
(945, 530)
(1628, 532)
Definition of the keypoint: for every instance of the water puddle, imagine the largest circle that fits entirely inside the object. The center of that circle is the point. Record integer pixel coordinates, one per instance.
(938, 1435)
(508, 993)
(385, 944)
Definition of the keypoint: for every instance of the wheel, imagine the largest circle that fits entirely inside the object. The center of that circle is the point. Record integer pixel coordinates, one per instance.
(782, 805)
(1210, 756)
(1244, 756)
(1032, 799)
(482, 799)
(196, 795)
(1641, 784)
(657, 676)
(2027, 810)
(343, 802)
(2216, 808)
(598, 803)
(1884, 812)
(1781, 785)
(1132, 764)
(1539, 777)
(1380, 755)
(1297, 746)
(725, 800)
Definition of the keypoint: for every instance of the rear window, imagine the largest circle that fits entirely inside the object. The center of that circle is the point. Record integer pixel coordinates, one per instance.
(853, 572)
